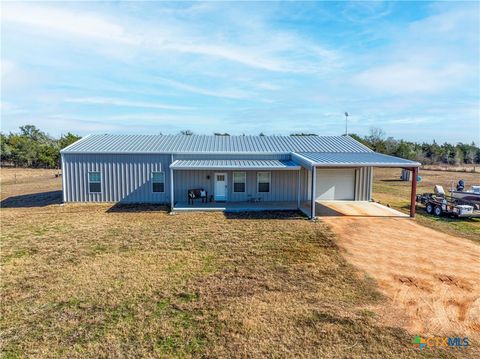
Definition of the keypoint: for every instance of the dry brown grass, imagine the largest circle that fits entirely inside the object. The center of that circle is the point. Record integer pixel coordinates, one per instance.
(42, 183)
(88, 281)
(474, 168)
(80, 281)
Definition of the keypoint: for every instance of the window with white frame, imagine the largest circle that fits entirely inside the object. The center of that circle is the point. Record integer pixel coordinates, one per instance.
(94, 182)
(239, 182)
(263, 181)
(158, 182)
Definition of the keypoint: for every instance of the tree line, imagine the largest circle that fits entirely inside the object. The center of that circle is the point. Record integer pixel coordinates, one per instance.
(425, 153)
(31, 147)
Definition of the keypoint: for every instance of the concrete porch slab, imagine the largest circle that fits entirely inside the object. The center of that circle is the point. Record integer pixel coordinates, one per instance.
(355, 209)
(236, 206)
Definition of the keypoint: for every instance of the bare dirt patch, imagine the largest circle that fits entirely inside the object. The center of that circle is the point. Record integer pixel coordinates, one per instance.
(432, 277)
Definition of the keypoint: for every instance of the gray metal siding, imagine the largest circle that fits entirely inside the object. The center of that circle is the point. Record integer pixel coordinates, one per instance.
(283, 185)
(125, 178)
(305, 184)
(363, 183)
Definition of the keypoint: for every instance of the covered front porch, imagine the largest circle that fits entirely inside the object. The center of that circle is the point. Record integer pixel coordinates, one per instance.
(235, 185)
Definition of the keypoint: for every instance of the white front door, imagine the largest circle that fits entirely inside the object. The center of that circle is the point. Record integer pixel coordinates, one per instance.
(220, 186)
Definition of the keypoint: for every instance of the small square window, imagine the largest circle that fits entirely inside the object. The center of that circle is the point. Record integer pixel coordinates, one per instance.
(94, 176)
(263, 181)
(264, 187)
(94, 182)
(239, 182)
(158, 182)
(95, 187)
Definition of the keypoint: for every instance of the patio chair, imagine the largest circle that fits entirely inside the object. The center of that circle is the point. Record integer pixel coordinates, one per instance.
(198, 193)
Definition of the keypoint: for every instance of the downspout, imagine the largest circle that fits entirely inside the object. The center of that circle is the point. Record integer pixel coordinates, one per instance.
(172, 201)
(298, 188)
(63, 179)
(314, 184)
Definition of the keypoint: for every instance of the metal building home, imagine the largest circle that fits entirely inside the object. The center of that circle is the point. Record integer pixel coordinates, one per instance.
(222, 172)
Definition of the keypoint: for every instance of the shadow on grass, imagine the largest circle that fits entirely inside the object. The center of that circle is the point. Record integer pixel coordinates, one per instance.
(41, 199)
(135, 208)
(292, 215)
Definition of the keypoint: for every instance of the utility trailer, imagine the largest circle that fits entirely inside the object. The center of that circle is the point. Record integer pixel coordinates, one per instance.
(440, 204)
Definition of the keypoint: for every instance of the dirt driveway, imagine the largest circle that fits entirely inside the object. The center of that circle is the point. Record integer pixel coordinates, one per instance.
(432, 278)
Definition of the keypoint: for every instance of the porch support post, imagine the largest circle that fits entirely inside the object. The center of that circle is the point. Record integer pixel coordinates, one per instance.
(172, 201)
(413, 194)
(298, 189)
(314, 184)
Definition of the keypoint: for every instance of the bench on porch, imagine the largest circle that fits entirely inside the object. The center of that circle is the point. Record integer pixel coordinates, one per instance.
(198, 193)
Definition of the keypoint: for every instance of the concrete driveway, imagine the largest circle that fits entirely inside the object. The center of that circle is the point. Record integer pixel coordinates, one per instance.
(432, 279)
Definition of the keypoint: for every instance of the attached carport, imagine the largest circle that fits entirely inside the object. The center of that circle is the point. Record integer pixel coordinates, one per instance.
(348, 176)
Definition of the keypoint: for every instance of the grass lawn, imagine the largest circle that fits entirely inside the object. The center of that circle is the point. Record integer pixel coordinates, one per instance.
(388, 189)
(100, 281)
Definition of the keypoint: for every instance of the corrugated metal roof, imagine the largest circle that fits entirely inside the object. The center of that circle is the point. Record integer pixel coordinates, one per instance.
(234, 164)
(213, 144)
(356, 159)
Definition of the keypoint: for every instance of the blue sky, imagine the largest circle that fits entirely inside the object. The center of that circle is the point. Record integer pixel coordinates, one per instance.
(410, 68)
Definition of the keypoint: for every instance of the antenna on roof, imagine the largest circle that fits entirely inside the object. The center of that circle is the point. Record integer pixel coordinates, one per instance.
(346, 120)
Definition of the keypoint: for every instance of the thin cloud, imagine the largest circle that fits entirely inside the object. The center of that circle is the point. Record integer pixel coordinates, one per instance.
(63, 21)
(225, 93)
(433, 55)
(408, 77)
(263, 56)
(124, 103)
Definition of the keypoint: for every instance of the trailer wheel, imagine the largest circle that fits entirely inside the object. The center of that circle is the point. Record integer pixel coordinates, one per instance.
(438, 211)
(429, 208)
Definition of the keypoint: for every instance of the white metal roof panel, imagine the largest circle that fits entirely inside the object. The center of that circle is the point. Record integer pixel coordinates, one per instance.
(234, 164)
(213, 144)
(373, 159)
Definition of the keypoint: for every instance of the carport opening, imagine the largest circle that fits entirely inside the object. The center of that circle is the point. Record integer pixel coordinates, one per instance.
(337, 192)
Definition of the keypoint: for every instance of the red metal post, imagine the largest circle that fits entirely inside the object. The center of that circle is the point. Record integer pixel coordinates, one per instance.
(413, 194)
